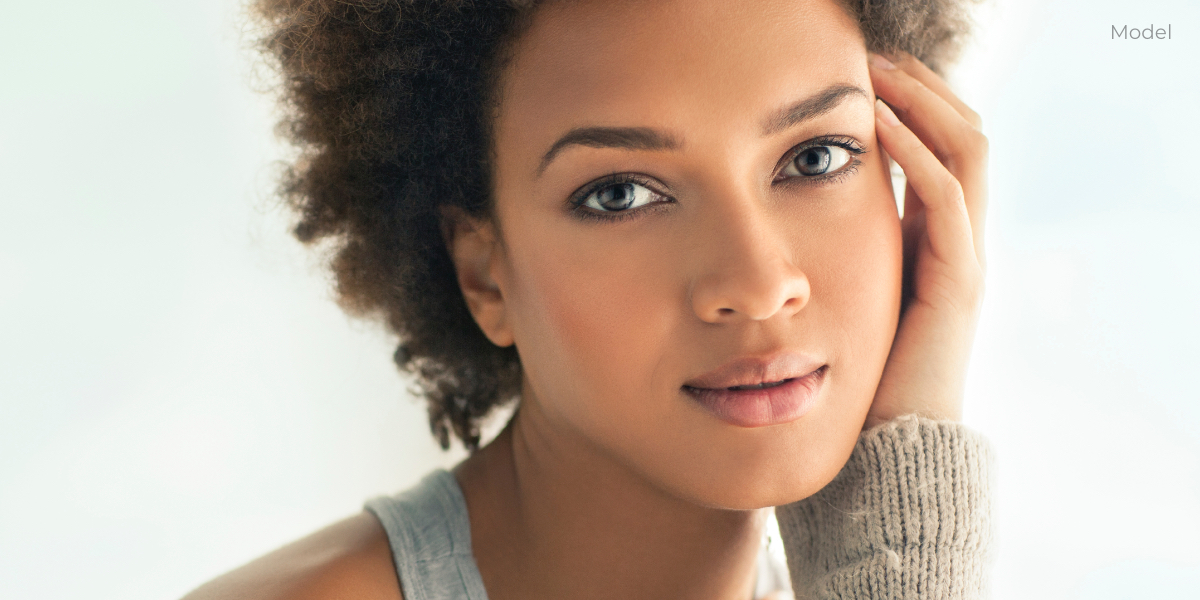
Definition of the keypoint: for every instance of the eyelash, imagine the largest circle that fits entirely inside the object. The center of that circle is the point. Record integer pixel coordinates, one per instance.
(578, 199)
(847, 143)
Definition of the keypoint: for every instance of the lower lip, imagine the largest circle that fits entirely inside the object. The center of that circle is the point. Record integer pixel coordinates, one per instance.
(762, 407)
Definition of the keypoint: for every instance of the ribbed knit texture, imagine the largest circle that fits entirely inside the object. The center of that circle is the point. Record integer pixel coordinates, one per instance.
(908, 517)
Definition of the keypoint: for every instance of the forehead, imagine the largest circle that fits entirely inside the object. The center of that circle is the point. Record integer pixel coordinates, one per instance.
(670, 64)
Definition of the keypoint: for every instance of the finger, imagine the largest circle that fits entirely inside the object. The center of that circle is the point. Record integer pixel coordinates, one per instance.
(958, 145)
(919, 71)
(947, 222)
(934, 120)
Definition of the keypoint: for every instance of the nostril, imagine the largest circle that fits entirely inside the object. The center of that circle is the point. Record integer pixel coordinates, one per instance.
(755, 290)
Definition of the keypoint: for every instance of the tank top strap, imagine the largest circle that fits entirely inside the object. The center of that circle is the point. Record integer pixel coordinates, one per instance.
(430, 537)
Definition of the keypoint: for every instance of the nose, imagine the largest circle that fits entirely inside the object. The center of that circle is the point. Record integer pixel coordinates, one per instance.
(746, 268)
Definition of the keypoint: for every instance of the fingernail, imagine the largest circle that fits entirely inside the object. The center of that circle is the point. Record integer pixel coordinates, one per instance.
(885, 113)
(880, 62)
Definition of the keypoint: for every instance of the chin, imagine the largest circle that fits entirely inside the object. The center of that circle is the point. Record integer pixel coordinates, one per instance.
(776, 484)
(747, 469)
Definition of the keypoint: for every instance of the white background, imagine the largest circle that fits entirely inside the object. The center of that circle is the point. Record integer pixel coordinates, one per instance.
(179, 393)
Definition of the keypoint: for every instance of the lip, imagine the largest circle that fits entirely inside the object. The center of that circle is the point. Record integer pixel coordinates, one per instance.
(802, 379)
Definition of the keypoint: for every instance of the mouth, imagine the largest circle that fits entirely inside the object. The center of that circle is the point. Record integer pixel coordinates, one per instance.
(758, 386)
(757, 372)
(763, 403)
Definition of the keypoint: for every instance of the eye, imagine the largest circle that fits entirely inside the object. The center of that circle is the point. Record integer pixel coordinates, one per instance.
(817, 160)
(618, 195)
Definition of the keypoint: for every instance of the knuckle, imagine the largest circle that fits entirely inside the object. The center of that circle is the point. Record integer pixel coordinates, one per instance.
(965, 298)
(979, 142)
(972, 142)
(913, 145)
(971, 149)
(952, 191)
(971, 294)
(973, 118)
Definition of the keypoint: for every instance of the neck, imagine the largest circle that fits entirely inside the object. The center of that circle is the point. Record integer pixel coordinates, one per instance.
(554, 516)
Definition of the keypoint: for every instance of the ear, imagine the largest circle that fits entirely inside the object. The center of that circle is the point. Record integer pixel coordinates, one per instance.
(478, 256)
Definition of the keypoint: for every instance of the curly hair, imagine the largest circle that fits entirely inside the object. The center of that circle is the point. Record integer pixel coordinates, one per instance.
(389, 104)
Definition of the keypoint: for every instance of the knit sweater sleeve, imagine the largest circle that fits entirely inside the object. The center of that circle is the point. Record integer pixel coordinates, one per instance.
(908, 517)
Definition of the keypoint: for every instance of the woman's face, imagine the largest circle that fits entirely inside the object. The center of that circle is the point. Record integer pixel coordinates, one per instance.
(690, 197)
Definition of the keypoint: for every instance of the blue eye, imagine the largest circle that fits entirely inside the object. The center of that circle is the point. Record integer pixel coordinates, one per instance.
(619, 196)
(817, 160)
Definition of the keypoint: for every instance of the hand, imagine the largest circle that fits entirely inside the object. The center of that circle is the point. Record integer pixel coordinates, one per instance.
(937, 142)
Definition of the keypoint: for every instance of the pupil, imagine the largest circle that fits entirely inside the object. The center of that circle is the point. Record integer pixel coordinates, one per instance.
(814, 161)
(617, 197)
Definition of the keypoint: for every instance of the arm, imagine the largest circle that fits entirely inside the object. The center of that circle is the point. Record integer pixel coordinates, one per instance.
(909, 516)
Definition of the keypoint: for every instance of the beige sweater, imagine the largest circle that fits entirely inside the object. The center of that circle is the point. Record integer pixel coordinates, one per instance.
(908, 517)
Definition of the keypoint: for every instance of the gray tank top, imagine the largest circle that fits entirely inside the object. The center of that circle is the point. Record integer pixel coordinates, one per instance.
(430, 536)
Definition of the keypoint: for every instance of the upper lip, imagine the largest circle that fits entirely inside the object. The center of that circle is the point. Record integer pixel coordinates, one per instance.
(755, 370)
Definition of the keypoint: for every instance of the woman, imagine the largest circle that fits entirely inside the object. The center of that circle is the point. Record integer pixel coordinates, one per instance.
(668, 228)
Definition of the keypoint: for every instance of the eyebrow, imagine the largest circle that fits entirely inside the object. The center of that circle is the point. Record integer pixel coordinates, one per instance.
(630, 138)
(812, 107)
(646, 138)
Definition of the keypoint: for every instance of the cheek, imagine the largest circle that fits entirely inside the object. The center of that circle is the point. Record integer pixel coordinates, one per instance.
(591, 322)
(861, 285)
(856, 280)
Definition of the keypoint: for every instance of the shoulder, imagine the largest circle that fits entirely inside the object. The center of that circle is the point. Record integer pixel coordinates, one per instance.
(349, 559)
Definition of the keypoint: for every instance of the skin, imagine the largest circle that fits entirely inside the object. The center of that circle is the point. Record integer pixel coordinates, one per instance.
(611, 482)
